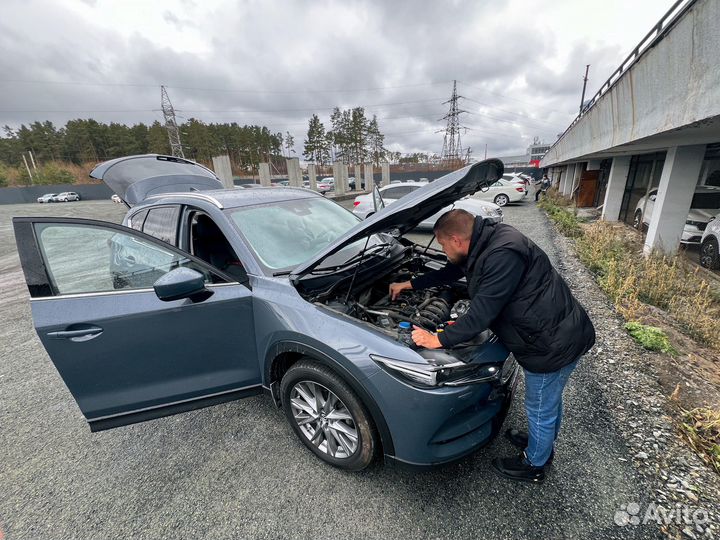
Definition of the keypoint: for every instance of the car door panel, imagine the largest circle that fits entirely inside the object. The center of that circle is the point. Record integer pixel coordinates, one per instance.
(122, 352)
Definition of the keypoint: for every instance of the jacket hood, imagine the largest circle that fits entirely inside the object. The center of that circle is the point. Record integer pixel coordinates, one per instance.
(405, 214)
(135, 178)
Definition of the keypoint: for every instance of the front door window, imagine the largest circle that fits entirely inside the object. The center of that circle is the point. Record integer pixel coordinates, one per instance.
(89, 259)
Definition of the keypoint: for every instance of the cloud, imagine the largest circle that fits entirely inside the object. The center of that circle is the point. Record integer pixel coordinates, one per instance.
(276, 62)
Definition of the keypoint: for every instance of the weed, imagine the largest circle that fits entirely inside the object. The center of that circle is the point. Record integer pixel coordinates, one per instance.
(650, 337)
(701, 428)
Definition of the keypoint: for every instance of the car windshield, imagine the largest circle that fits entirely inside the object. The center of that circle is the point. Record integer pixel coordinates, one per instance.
(286, 233)
(706, 200)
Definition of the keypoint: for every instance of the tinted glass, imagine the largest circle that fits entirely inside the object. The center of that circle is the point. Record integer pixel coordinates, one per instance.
(91, 259)
(136, 220)
(396, 192)
(162, 223)
(706, 200)
(285, 234)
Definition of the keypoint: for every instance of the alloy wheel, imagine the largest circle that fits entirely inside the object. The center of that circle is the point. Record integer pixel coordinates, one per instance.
(501, 200)
(708, 254)
(637, 222)
(324, 419)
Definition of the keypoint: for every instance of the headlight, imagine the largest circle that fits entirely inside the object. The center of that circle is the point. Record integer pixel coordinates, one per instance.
(442, 369)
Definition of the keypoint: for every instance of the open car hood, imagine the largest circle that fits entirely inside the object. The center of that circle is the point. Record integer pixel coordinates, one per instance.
(135, 178)
(405, 214)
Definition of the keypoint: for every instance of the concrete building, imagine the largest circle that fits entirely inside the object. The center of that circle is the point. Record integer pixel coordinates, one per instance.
(531, 158)
(655, 123)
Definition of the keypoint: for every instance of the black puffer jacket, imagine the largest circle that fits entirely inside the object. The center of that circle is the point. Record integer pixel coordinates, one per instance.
(517, 293)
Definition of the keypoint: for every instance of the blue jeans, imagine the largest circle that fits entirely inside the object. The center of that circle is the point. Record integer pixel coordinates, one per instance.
(543, 405)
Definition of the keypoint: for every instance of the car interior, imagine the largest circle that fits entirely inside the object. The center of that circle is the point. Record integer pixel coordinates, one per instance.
(207, 242)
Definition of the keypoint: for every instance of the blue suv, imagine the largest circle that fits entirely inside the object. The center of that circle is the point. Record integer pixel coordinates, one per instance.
(205, 295)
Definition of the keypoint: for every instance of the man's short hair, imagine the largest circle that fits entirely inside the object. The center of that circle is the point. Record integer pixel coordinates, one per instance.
(457, 222)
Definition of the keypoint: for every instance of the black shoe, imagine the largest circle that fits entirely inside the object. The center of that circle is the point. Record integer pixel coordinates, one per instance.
(520, 439)
(518, 468)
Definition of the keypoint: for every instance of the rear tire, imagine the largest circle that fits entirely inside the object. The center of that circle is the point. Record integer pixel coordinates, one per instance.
(501, 199)
(328, 416)
(709, 254)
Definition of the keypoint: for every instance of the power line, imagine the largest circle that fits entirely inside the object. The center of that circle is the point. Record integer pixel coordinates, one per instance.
(225, 90)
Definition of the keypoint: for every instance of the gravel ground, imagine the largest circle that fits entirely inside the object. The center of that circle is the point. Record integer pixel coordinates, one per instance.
(236, 470)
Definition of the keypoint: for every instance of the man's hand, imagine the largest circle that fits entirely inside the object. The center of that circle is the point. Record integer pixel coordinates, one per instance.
(423, 338)
(397, 288)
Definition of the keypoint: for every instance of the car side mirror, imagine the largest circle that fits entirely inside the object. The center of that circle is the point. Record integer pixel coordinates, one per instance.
(182, 283)
(653, 197)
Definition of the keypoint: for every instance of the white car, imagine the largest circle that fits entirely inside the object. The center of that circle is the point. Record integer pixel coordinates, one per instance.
(66, 196)
(47, 198)
(709, 252)
(703, 208)
(364, 205)
(503, 192)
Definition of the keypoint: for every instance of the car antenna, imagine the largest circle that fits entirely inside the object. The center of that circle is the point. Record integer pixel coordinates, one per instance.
(352, 281)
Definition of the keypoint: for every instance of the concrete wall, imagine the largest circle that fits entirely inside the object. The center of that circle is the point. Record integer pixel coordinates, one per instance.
(87, 192)
(674, 84)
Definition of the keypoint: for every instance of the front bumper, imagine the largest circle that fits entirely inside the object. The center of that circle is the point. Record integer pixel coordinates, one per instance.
(434, 426)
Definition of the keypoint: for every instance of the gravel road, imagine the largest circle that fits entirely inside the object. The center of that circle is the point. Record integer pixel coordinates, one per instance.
(237, 471)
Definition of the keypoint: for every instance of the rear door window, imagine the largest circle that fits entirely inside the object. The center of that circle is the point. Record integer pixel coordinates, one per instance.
(162, 223)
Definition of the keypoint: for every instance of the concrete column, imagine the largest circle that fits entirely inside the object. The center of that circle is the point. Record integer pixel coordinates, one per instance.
(221, 166)
(339, 169)
(312, 176)
(358, 175)
(593, 165)
(615, 188)
(369, 178)
(264, 174)
(576, 179)
(567, 179)
(677, 186)
(385, 174)
(294, 175)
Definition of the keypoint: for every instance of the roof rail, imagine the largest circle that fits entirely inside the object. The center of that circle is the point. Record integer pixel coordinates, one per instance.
(657, 33)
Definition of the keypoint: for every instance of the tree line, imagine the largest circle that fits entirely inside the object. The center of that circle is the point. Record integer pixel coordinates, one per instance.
(352, 138)
(80, 141)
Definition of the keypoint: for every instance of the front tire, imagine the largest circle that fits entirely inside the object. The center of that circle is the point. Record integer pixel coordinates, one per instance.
(328, 417)
(501, 199)
(709, 254)
(637, 220)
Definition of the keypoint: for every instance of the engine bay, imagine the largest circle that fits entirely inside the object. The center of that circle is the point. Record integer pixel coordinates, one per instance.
(431, 309)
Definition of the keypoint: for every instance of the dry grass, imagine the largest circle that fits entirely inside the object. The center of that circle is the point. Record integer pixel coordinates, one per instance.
(701, 429)
(669, 283)
(47, 173)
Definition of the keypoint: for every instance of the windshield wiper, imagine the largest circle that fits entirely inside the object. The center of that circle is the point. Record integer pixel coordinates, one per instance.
(282, 273)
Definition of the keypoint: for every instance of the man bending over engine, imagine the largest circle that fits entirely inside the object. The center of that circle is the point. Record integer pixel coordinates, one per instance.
(516, 292)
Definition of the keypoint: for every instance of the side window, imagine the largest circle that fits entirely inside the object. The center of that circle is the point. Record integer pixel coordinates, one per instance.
(395, 193)
(136, 220)
(92, 259)
(162, 223)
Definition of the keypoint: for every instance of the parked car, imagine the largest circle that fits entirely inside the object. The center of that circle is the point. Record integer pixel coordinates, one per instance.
(205, 295)
(709, 252)
(502, 192)
(704, 206)
(116, 198)
(324, 187)
(47, 198)
(364, 205)
(66, 196)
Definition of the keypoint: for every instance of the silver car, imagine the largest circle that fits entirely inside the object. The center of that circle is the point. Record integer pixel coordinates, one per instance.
(364, 205)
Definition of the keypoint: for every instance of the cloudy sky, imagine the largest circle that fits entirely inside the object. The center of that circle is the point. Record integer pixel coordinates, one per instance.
(518, 63)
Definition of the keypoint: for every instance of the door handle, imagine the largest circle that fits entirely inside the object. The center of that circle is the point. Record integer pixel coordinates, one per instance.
(82, 334)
